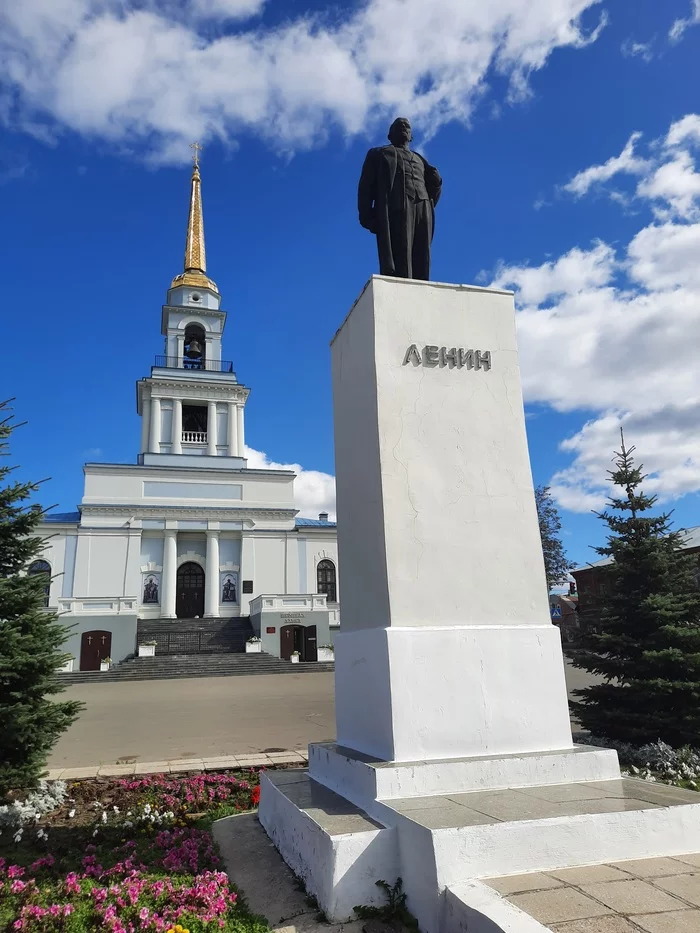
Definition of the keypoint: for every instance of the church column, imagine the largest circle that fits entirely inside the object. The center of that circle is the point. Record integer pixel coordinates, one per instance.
(154, 445)
(232, 430)
(241, 436)
(176, 440)
(145, 425)
(180, 350)
(169, 584)
(212, 439)
(211, 583)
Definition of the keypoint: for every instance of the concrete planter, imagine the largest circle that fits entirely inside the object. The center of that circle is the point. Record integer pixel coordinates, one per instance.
(147, 651)
(253, 647)
(294, 659)
(104, 665)
(67, 667)
(326, 654)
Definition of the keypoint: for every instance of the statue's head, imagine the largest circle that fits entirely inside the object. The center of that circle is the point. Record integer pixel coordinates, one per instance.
(400, 131)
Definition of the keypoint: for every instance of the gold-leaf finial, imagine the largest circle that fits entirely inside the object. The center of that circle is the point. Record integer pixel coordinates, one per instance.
(197, 149)
(195, 256)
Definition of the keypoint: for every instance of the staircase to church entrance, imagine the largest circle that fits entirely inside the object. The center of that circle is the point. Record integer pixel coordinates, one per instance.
(195, 636)
(195, 648)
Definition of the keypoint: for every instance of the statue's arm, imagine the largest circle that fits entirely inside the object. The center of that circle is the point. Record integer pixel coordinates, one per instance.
(433, 182)
(366, 192)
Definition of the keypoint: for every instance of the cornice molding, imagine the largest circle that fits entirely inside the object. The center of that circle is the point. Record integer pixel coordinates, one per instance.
(188, 513)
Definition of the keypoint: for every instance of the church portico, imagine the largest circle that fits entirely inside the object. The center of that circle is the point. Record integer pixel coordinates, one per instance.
(179, 542)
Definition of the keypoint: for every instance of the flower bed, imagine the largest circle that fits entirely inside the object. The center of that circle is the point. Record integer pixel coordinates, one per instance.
(124, 855)
(656, 761)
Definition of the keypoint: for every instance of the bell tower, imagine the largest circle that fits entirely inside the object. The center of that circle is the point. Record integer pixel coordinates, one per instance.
(192, 406)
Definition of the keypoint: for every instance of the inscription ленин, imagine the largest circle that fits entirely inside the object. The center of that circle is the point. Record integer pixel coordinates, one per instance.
(454, 357)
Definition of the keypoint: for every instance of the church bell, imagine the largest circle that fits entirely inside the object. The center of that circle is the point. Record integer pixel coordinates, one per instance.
(194, 349)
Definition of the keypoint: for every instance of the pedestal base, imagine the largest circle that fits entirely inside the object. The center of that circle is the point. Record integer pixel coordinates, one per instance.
(436, 692)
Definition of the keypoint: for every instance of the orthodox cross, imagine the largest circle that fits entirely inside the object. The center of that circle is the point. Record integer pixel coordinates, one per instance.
(197, 149)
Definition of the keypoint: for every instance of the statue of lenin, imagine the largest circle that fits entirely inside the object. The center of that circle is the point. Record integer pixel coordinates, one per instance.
(397, 195)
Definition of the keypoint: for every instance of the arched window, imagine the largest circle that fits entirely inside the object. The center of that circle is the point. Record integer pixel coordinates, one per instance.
(42, 566)
(325, 579)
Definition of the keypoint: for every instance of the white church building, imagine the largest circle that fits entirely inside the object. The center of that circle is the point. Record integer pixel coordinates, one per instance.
(188, 533)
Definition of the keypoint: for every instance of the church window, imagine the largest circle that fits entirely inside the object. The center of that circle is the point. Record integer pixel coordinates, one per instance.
(43, 567)
(325, 580)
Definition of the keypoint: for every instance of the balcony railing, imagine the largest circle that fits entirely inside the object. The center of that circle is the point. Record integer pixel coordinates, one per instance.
(211, 366)
(194, 437)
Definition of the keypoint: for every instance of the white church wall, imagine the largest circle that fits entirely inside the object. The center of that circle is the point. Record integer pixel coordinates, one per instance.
(192, 547)
(54, 554)
(122, 628)
(151, 549)
(229, 550)
(108, 566)
(269, 564)
(275, 490)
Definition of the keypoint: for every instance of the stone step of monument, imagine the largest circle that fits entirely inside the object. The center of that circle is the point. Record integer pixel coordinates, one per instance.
(174, 666)
(449, 841)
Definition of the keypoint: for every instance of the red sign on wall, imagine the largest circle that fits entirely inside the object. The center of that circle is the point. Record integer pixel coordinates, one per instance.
(270, 630)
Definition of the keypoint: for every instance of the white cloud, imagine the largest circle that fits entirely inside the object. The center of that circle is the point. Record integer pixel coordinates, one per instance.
(631, 49)
(627, 162)
(153, 72)
(679, 27)
(314, 491)
(685, 130)
(675, 184)
(572, 273)
(612, 332)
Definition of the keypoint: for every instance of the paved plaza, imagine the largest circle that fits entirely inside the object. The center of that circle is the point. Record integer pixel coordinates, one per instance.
(164, 720)
(657, 895)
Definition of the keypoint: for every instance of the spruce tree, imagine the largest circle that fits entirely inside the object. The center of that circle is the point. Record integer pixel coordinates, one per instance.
(556, 564)
(30, 638)
(647, 642)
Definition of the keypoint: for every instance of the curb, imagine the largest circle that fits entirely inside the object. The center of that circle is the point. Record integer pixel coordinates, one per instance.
(178, 765)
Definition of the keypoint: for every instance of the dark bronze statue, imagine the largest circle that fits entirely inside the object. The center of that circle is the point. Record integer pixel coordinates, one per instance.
(397, 195)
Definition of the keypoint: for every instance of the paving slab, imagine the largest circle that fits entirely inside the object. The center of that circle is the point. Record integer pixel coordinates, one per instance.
(589, 874)
(518, 884)
(116, 770)
(685, 886)
(558, 905)
(681, 921)
(634, 896)
(596, 925)
(655, 867)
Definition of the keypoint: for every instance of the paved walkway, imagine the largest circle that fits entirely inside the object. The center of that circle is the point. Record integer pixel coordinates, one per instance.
(658, 895)
(168, 720)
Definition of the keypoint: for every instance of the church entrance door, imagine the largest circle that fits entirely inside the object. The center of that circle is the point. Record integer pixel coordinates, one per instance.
(298, 638)
(94, 647)
(310, 650)
(189, 601)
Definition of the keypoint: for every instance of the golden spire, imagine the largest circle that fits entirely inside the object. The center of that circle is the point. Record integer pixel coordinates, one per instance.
(195, 255)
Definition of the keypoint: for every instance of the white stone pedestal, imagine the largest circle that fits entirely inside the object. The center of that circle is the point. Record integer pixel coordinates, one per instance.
(454, 759)
(446, 648)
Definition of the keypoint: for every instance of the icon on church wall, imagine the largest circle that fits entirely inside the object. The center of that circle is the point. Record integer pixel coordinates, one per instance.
(151, 588)
(229, 588)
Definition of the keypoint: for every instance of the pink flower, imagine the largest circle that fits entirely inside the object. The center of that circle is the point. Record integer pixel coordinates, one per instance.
(15, 871)
(144, 913)
(17, 887)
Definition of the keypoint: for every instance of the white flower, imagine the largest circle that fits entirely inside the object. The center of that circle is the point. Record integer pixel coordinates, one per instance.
(104, 816)
(71, 814)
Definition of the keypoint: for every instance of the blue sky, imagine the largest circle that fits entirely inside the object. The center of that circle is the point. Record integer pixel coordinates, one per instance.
(522, 106)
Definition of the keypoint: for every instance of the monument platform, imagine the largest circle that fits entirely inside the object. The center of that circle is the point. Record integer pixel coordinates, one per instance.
(454, 759)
